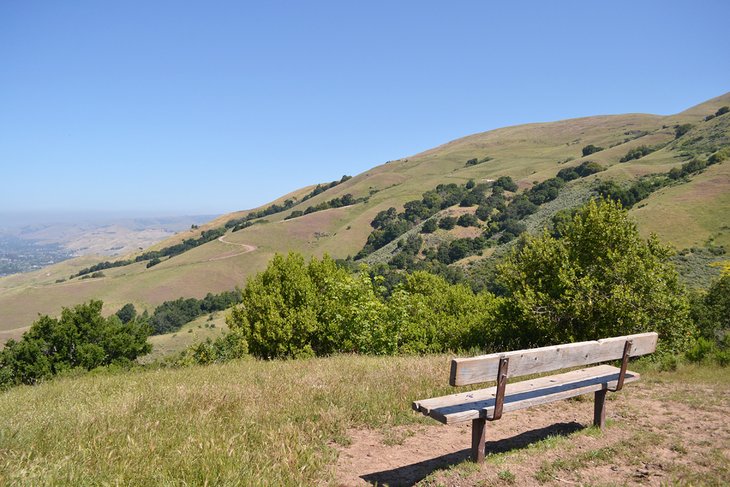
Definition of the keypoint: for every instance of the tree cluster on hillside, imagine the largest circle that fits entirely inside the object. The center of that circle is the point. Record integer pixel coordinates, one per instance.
(187, 244)
(597, 278)
(389, 224)
(501, 216)
(172, 315)
(583, 170)
(474, 161)
(80, 338)
(720, 112)
(638, 153)
(680, 130)
(240, 223)
(339, 202)
(641, 189)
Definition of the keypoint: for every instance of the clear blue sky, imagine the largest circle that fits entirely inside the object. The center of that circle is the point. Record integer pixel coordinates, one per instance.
(213, 106)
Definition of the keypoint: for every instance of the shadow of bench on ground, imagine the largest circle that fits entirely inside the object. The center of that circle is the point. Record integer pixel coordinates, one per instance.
(411, 474)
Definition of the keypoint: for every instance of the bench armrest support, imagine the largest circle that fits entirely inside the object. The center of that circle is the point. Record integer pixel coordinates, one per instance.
(624, 365)
(501, 386)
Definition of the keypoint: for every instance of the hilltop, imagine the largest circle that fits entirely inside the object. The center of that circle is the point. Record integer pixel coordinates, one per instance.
(693, 214)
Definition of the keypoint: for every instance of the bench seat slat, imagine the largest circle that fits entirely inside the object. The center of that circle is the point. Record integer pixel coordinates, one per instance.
(456, 408)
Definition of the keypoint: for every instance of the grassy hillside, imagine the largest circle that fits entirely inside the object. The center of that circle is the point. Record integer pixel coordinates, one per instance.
(690, 214)
(340, 420)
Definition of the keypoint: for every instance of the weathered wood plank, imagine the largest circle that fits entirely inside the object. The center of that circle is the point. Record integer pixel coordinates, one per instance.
(464, 406)
(474, 370)
(425, 405)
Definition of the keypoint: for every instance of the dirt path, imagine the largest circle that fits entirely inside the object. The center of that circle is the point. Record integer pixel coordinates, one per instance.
(657, 434)
(246, 249)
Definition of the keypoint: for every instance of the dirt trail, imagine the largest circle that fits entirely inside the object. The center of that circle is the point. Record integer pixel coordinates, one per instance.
(657, 436)
(246, 249)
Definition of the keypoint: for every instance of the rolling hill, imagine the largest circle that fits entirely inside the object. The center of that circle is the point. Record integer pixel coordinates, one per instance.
(695, 213)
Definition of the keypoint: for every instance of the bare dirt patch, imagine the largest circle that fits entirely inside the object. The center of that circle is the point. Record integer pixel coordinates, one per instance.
(658, 433)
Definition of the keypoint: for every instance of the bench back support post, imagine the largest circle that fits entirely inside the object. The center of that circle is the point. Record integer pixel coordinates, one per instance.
(624, 364)
(501, 386)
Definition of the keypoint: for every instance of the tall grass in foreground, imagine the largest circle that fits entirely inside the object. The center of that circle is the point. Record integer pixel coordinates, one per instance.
(246, 422)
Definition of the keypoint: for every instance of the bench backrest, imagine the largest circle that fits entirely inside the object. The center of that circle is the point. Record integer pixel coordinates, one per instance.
(484, 368)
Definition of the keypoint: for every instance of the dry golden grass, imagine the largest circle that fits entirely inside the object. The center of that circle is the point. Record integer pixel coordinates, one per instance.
(272, 423)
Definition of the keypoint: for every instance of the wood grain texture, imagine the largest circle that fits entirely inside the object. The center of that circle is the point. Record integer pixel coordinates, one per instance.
(456, 408)
(474, 370)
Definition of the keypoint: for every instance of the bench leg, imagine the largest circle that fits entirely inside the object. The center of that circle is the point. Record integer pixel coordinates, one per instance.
(599, 409)
(478, 437)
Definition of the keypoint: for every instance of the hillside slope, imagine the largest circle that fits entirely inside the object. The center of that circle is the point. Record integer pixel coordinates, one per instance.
(685, 215)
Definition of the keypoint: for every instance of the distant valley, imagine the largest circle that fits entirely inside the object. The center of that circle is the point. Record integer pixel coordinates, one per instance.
(29, 242)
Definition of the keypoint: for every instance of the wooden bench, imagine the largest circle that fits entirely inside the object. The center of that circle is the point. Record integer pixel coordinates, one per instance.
(489, 404)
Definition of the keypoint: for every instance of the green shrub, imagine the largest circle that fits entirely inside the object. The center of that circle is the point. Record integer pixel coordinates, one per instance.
(506, 183)
(299, 309)
(80, 338)
(680, 130)
(429, 226)
(591, 149)
(447, 222)
(230, 346)
(598, 279)
(701, 350)
(637, 153)
(468, 220)
(719, 156)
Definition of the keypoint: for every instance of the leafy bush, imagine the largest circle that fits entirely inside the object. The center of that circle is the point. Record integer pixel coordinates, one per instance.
(591, 149)
(637, 153)
(474, 161)
(545, 191)
(599, 279)
(450, 252)
(687, 168)
(568, 174)
(506, 183)
(299, 309)
(589, 167)
(447, 222)
(230, 346)
(629, 196)
(468, 220)
(80, 338)
(585, 169)
(429, 226)
(680, 130)
(127, 313)
(719, 156)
